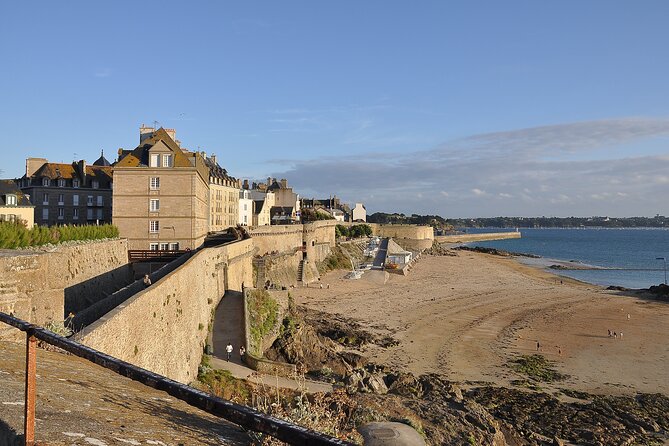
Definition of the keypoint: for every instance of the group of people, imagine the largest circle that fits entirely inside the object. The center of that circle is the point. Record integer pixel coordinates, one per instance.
(229, 349)
(615, 334)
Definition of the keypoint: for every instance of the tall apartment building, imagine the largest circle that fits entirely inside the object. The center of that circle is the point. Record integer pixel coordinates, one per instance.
(74, 193)
(161, 193)
(223, 196)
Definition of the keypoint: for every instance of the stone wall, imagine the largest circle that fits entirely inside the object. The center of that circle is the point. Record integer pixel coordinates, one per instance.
(279, 239)
(281, 269)
(405, 231)
(35, 285)
(163, 328)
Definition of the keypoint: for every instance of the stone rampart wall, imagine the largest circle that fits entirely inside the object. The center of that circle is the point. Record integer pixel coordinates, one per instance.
(163, 328)
(468, 238)
(280, 238)
(34, 285)
(405, 231)
(282, 269)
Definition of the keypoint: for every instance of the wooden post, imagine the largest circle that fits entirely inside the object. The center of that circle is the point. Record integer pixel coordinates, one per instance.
(31, 370)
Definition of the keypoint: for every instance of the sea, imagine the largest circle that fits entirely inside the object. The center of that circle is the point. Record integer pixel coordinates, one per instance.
(618, 257)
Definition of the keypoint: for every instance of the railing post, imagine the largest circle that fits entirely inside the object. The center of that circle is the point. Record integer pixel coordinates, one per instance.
(31, 370)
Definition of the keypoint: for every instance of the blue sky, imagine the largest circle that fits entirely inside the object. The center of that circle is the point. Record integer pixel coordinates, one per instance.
(456, 108)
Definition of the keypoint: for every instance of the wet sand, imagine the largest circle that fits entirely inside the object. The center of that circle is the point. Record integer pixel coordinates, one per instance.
(466, 316)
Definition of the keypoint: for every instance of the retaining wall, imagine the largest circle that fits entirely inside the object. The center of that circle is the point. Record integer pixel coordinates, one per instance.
(280, 238)
(467, 238)
(35, 285)
(163, 328)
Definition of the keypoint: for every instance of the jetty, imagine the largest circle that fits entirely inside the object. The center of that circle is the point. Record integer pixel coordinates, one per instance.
(468, 238)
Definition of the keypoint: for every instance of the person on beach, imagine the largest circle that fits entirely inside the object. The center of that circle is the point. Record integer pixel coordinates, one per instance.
(228, 351)
(147, 280)
(615, 335)
(538, 346)
(621, 335)
(628, 316)
(609, 332)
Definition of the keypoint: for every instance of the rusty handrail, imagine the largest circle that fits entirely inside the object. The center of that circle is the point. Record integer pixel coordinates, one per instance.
(243, 416)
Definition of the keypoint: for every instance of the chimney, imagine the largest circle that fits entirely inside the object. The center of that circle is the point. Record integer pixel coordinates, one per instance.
(33, 165)
(171, 133)
(269, 181)
(145, 133)
(213, 158)
(246, 184)
(284, 183)
(82, 171)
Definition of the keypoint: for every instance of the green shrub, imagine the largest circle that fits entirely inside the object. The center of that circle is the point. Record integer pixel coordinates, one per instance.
(14, 235)
(263, 318)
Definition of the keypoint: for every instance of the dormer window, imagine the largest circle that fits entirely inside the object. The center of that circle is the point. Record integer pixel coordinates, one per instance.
(75, 183)
(167, 160)
(154, 161)
(61, 182)
(45, 182)
(96, 184)
(10, 200)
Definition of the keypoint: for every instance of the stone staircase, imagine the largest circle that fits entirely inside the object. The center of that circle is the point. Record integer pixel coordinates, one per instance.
(259, 265)
(300, 272)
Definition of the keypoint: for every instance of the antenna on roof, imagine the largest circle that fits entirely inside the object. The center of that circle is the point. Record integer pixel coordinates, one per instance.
(75, 155)
(155, 125)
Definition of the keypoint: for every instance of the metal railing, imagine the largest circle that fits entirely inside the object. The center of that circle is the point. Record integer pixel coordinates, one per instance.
(143, 255)
(241, 415)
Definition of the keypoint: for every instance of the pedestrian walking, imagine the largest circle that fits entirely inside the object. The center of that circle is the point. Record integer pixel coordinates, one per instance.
(242, 352)
(228, 351)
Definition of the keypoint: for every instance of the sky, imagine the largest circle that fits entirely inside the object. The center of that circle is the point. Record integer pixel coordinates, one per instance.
(462, 109)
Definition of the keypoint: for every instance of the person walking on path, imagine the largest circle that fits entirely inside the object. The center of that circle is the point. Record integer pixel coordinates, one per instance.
(147, 280)
(228, 351)
(242, 352)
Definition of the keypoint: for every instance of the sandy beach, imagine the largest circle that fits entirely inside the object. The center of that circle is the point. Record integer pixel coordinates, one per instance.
(465, 317)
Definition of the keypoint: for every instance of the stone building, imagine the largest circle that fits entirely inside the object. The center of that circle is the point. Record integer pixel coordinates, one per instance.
(223, 197)
(15, 206)
(245, 208)
(161, 193)
(74, 193)
(286, 199)
(359, 213)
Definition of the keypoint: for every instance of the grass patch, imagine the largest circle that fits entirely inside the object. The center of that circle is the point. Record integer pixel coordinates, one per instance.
(537, 368)
(263, 317)
(222, 384)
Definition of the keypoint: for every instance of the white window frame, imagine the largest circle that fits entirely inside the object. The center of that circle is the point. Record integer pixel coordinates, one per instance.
(95, 184)
(45, 198)
(164, 246)
(11, 200)
(153, 246)
(154, 226)
(45, 182)
(61, 199)
(167, 160)
(75, 214)
(154, 160)
(89, 200)
(61, 213)
(75, 182)
(174, 246)
(154, 183)
(61, 182)
(154, 205)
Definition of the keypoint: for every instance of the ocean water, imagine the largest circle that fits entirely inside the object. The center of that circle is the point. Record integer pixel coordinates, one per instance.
(624, 257)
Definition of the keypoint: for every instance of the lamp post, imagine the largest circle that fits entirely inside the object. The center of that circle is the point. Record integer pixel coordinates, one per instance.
(664, 259)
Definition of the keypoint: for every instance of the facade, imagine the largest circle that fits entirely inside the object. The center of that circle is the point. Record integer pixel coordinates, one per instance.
(262, 205)
(15, 206)
(161, 194)
(73, 194)
(245, 208)
(223, 197)
(359, 213)
(286, 199)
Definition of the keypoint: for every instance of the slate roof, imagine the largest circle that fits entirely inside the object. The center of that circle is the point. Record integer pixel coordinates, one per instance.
(55, 171)
(139, 157)
(102, 161)
(257, 209)
(10, 187)
(216, 171)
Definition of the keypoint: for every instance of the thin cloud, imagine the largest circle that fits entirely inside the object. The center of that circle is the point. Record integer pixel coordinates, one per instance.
(512, 165)
(105, 72)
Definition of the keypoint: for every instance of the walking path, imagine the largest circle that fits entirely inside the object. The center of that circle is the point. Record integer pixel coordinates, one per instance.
(229, 327)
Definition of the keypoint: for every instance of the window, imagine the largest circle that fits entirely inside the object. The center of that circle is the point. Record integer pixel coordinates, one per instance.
(45, 198)
(61, 199)
(89, 214)
(164, 246)
(167, 160)
(45, 182)
(75, 214)
(99, 214)
(45, 214)
(99, 200)
(75, 200)
(155, 183)
(89, 200)
(174, 246)
(75, 183)
(155, 160)
(245, 206)
(245, 222)
(11, 200)
(154, 225)
(96, 184)
(153, 246)
(155, 205)
(61, 182)
(61, 213)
